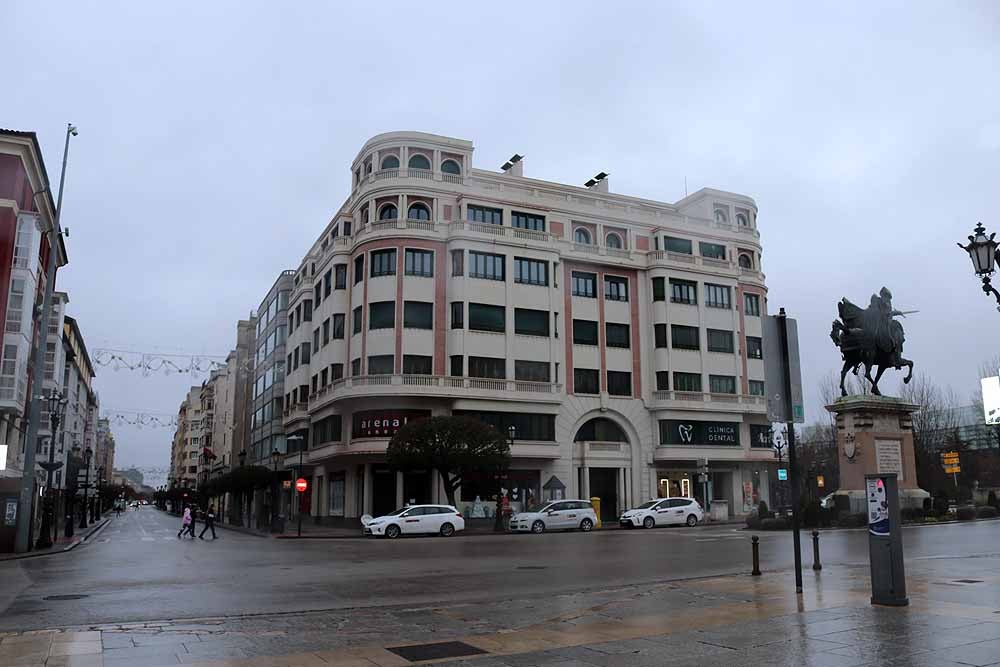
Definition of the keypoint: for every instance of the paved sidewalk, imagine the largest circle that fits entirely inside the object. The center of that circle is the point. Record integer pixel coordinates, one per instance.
(953, 619)
(63, 544)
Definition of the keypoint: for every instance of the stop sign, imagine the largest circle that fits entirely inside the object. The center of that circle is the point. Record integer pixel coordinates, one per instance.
(301, 485)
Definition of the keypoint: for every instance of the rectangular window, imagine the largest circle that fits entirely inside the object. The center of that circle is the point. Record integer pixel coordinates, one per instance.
(662, 380)
(615, 288)
(347, 228)
(659, 289)
(324, 376)
(336, 372)
(531, 271)
(682, 246)
(490, 216)
(585, 284)
(683, 291)
(357, 320)
(340, 276)
(532, 371)
(586, 381)
(338, 326)
(717, 296)
(486, 265)
(756, 387)
(318, 293)
(755, 347)
(306, 352)
(684, 338)
(328, 283)
(619, 383)
(660, 334)
(483, 317)
(751, 305)
(722, 384)
(326, 331)
(457, 262)
(529, 322)
(720, 340)
(418, 315)
(584, 332)
(687, 381)
(712, 250)
(418, 263)
(307, 311)
(380, 364)
(415, 364)
(316, 338)
(381, 315)
(527, 426)
(616, 335)
(457, 365)
(359, 269)
(384, 263)
(488, 367)
(527, 221)
(457, 314)
(356, 367)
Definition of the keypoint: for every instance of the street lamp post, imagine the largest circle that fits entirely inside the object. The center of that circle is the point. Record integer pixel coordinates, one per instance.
(22, 539)
(984, 253)
(98, 501)
(298, 473)
(498, 522)
(57, 404)
(779, 449)
(275, 457)
(87, 453)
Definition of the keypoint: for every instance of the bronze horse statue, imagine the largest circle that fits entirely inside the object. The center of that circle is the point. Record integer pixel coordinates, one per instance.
(870, 337)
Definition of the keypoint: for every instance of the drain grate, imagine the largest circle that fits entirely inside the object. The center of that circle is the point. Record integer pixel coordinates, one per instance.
(438, 651)
(969, 581)
(64, 597)
(532, 567)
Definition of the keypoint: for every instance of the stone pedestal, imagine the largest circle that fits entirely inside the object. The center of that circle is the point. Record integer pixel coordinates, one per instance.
(875, 435)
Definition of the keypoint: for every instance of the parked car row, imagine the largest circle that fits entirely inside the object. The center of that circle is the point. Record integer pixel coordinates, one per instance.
(446, 520)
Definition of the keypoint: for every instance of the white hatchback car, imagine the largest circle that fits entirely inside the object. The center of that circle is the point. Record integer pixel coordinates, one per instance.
(663, 512)
(557, 515)
(443, 520)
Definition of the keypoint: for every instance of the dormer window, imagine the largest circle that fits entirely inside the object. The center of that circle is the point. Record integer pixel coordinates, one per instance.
(390, 162)
(451, 167)
(419, 161)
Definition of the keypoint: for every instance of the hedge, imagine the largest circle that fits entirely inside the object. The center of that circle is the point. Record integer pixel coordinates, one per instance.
(966, 513)
(776, 523)
(987, 512)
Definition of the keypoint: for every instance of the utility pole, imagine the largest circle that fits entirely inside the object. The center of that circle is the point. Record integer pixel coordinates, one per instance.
(22, 539)
(793, 473)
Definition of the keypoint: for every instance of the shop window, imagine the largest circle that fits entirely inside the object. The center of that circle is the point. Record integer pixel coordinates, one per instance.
(527, 425)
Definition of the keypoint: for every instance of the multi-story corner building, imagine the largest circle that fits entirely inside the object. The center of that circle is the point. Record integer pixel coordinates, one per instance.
(27, 212)
(105, 452)
(268, 389)
(620, 337)
(186, 457)
(79, 424)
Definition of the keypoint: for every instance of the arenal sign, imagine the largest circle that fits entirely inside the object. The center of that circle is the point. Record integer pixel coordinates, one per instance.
(691, 432)
(383, 423)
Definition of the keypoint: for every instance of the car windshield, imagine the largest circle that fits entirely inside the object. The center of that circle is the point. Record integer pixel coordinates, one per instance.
(545, 508)
(646, 505)
(398, 512)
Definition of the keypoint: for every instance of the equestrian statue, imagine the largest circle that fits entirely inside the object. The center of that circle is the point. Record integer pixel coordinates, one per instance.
(870, 337)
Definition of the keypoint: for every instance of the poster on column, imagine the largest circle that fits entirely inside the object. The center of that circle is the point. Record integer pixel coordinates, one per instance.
(878, 508)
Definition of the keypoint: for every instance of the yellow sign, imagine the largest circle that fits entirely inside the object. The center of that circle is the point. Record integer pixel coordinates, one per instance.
(820, 481)
(952, 469)
(949, 456)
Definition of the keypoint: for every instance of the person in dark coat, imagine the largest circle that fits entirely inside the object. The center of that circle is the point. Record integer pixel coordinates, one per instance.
(209, 523)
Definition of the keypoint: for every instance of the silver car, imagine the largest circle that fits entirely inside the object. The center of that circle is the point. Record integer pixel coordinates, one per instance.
(557, 515)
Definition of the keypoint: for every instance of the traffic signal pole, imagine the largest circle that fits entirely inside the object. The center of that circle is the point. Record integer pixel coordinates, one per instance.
(793, 473)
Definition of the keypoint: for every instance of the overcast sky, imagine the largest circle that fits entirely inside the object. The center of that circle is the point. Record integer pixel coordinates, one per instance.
(215, 143)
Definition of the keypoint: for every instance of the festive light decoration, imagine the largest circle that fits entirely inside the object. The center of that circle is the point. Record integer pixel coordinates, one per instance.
(154, 362)
(140, 419)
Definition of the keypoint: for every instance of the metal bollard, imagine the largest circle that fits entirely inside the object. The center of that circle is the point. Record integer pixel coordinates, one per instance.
(756, 556)
(816, 564)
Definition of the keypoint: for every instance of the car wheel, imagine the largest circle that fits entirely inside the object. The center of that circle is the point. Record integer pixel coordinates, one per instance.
(392, 532)
(538, 527)
(648, 522)
(447, 530)
(586, 525)
(692, 520)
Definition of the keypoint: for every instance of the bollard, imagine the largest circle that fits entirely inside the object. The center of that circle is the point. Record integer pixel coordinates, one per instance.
(756, 556)
(816, 564)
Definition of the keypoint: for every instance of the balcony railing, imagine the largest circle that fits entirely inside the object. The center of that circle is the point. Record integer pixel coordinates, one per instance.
(706, 397)
(457, 179)
(500, 230)
(426, 174)
(586, 247)
(382, 174)
(447, 382)
(426, 225)
(619, 252)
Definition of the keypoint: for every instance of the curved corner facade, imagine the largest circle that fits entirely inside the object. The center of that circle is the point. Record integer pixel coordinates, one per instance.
(619, 336)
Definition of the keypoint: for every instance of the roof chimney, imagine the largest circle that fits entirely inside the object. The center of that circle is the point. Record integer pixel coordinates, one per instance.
(514, 166)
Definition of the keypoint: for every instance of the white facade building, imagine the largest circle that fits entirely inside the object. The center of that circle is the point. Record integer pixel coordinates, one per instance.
(619, 336)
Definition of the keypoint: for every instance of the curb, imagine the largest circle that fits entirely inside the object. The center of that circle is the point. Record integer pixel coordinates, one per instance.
(92, 532)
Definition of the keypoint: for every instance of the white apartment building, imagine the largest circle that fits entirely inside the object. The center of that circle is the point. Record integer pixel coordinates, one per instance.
(186, 461)
(619, 336)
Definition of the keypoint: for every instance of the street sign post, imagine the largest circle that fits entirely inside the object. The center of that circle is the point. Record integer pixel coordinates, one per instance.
(301, 485)
(782, 474)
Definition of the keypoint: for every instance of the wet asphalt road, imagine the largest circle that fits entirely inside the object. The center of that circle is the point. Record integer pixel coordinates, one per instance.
(136, 568)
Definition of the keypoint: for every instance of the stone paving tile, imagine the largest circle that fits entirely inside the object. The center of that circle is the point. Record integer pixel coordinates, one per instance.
(145, 655)
(75, 661)
(979, 653)
(76, 648)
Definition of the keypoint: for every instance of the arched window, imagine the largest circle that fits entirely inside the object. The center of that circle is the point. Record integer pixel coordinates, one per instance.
(390, 162)
(419, 161)
(450, 167)
(613, 241)
(742, 220)
(746, 262)
(721, 217)
(600, 429)
(388, 212)
(581, 235)
(418, 212)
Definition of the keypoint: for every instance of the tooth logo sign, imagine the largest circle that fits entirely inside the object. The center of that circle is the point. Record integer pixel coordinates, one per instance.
(685, 432)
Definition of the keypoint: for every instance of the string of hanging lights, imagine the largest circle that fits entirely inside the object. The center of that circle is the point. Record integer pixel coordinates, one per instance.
(150, 363)
(139, 419)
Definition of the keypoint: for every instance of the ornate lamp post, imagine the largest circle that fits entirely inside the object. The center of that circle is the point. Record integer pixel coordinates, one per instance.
(98, 491)
(984, 254)
(779, 449)
(275, 457)
(498, 519)
(87, 454)
(57, 406)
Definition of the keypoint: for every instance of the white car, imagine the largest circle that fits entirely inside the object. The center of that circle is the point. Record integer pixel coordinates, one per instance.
(663, 512)
(442, 520)
(557, 515)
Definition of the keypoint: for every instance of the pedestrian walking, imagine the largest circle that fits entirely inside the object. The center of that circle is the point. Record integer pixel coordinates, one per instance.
(194, 523)
(209, 522)
(185, 523)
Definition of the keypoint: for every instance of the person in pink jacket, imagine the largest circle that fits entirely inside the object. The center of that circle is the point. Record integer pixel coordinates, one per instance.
(186, 524)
